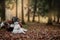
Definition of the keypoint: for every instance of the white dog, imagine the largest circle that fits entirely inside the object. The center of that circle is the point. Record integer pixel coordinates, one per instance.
(18, 29)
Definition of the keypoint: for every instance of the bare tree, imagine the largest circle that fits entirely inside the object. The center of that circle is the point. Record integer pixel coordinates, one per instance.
(22, 12)
(28, 11)
(2, 2)
(16, 8)
(35, 6)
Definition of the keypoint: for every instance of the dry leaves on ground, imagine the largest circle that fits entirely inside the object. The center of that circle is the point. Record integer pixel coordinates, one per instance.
(35, 32)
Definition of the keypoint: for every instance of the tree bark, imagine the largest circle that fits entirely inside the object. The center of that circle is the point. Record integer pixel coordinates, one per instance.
(16, 8)
(58, 16)
(38, 18)
(22, 13)
(3, 10)
(28, 15)
(35, 6)
(28, 12)
(58, 9)
(49, 19)
(49, 15)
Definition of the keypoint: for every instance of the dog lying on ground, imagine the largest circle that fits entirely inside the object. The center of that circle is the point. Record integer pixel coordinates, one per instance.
(15, 27)
(18, 28)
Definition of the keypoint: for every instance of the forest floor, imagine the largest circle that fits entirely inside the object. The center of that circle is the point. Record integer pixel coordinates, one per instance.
(36, 31)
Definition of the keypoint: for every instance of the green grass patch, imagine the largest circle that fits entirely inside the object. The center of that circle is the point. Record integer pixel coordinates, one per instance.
(25, 26)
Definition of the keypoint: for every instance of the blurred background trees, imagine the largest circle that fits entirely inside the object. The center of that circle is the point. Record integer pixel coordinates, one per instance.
(39, 8)
(2, 9)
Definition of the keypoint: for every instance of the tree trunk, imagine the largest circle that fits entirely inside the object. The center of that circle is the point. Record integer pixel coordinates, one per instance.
(28, 15)
(28, 12)
(58, 9)
(22, 13)
(58, 20)
(38, 18)
(54, 16)
(49, 15)
(3, 10)
(16, 8)
(58, 16)
(49, 21)
(54, 19)
(35, 6)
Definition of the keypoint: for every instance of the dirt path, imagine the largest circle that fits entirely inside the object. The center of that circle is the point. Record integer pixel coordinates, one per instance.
(35, 32)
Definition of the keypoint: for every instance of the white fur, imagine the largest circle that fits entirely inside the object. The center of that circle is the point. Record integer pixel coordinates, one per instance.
(12, 25)
(2, 24)
(18, 29)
